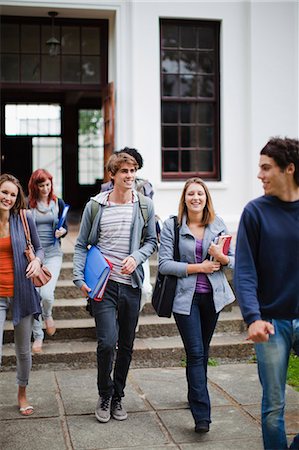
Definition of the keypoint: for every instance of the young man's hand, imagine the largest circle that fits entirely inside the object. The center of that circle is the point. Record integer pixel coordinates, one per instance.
(128, 265)
(85, 289)
(260, 330)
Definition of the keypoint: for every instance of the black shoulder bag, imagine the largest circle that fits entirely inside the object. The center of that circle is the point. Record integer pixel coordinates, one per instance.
(165, 286)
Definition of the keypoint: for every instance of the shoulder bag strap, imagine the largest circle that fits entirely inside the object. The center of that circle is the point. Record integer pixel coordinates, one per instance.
(176, 251)
(25, 225)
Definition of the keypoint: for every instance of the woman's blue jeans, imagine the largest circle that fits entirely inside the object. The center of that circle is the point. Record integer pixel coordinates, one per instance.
(116, 318)
(273, 358)
(196, 331)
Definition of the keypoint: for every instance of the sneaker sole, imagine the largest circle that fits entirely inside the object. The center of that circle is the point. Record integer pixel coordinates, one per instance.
(119, 418)
(101, 419)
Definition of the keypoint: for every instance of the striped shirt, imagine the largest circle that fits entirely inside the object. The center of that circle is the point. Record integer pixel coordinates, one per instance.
(114, 239)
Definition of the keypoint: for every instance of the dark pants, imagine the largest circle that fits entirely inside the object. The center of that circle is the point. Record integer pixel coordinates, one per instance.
(196, 331)
(116, 319)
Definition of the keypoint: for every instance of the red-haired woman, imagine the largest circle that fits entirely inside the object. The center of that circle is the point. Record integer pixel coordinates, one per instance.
(17, 291)
(46, 209)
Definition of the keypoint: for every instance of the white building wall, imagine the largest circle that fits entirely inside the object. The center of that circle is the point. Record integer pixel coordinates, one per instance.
(259, 83)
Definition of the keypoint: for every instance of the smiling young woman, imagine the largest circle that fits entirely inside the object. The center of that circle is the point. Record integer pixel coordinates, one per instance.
(17, 291)
(202, 288)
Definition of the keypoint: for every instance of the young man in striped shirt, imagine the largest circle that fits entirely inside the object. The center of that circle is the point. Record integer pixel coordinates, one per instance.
(127, 239)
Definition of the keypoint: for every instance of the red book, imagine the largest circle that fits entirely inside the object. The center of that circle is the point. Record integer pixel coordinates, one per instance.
(223, 241)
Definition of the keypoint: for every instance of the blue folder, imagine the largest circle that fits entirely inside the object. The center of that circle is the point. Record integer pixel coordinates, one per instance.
(96, 271)
(62, 219)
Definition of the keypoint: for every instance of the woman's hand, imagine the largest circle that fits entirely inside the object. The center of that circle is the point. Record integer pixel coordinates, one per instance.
(209, 266)
(60, 232)
(85, 289)
(33, 268)
(216, 251)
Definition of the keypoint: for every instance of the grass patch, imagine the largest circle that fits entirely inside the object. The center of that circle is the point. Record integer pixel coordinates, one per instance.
(211, 362)
(293, 372)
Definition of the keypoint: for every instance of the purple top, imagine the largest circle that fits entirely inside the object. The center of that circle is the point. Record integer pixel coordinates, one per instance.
(203, 285)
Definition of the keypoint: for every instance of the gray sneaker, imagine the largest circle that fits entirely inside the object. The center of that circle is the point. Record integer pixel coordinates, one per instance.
(103, 407)
(117, 410)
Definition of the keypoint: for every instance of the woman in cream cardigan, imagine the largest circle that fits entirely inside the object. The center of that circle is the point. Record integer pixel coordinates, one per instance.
(202, 288)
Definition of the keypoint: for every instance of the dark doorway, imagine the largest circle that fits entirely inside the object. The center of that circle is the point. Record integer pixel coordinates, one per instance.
(17, 158)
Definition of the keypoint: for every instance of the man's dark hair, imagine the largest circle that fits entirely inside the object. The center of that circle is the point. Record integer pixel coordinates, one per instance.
(135, 153)
(283, 151)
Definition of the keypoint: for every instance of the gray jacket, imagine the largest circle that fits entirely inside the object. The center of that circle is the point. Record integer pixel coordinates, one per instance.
(89, 235)
(222, 292)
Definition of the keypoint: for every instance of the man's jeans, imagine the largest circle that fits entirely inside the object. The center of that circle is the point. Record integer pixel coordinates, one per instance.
(116, 318)
(196, 331)
(273, 358)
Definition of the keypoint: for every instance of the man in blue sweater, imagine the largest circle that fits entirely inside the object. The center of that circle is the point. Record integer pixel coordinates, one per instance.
(266, 279)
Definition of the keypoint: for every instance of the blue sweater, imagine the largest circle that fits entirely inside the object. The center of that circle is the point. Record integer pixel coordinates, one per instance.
(26, 299)
(266, 276)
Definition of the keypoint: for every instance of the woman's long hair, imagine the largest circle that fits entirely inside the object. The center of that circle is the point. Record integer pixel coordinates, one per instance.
(37, 177)
(208, 212)
(20, 201)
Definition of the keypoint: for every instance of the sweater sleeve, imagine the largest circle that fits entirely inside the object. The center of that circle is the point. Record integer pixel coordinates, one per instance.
(167, 265)
(245, 273)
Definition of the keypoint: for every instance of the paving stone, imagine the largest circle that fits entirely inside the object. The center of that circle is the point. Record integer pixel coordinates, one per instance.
(31, 433)
(140, 429)
(227, 424)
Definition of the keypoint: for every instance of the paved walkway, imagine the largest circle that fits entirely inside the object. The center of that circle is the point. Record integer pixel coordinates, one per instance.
(159, 417)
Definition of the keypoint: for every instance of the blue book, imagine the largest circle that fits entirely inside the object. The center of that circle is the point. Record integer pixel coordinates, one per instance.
(63, 216)
(96, 272)
(62, 219)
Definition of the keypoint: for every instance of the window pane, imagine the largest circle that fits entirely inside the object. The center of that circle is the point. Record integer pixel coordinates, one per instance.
(30, 68)
(205, 113)
(170, 136)
(71, 69)
(188, 37)
(70, 40)
(170, 36)
(170, 112)
(170, 85)
(189, 161)
(10, 68)
(90, 43)
(32, 119)
(188, 62)
(188, 113)
(30, 38)
(50, 69)
(188, 136)
(206, 62)
(90, 69)
(46, 153)
(205, 161)
(206, 38)
(188, 86)
(206, 86)
(9, 38)
(171, 161)
(91, 146)
(206, 136)
(170, 63)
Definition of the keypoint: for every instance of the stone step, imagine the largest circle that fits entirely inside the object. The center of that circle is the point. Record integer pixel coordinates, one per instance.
(148, 352)
(150, 326)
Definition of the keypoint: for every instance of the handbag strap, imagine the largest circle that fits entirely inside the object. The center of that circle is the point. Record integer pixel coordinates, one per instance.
(25, 225)
(176, 251)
